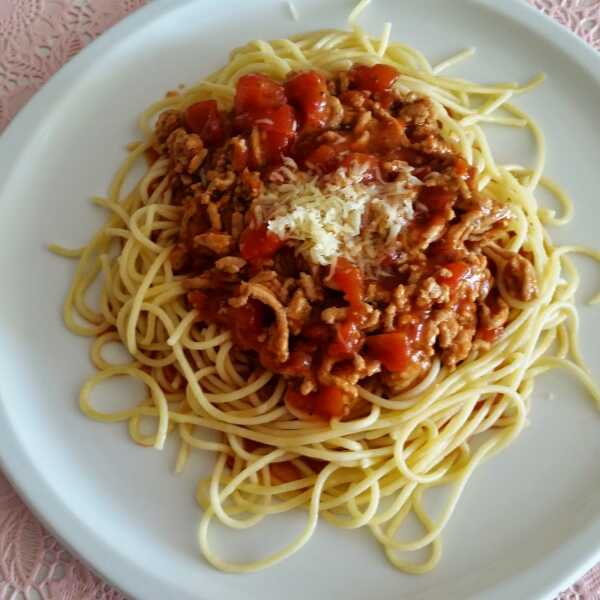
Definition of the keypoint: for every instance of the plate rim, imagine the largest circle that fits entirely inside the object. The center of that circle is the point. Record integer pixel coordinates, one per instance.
(580, 553)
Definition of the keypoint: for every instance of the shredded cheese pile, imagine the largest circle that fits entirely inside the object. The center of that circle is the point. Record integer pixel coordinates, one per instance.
(337, 215)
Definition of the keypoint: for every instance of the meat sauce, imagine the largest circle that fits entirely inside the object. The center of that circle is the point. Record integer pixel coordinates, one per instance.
(277, 120)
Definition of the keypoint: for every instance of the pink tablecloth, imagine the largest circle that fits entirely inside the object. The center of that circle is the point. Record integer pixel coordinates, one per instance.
(36, 38)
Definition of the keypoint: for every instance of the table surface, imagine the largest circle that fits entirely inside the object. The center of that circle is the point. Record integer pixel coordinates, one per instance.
(36, 38)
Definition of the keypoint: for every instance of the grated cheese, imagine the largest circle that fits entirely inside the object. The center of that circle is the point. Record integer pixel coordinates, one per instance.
(337, 215)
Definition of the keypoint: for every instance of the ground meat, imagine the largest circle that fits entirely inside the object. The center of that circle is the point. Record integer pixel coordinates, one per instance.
(186, 150)
(372, 321)
(167, 122)
(220, 182)
(431, 292)
(298, 312)
(256, 147)
(520, 279)
(403, 380)
(448, 326)
(334, 314)
(419, 113)
(460, 347)
(389, 317)
(231, 264)
(215, 216)
(345, 380)
(483, 215)
(312, 290)
(336, 112)
(219, 243)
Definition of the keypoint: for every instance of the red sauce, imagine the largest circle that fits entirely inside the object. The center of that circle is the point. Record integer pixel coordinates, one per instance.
(300, 361)
(459, 272)
(317, 332)
(490, 335)
(349, 339)
(277, 129)
(350, 150)
(382, 142)
(437, 198)
(258, 244)
(247, 323)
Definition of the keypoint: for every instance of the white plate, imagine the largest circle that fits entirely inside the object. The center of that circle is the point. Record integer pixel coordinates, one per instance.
(529, 521)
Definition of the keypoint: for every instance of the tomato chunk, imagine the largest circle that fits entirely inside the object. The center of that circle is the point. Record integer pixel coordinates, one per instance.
(205, 119)
(255, 93)
(395, 350)
(348, 279)
(258, 243)
(307, 92)
(377, 79)
(327, 402)
(330, 402)
(277, 130)
(281, 119)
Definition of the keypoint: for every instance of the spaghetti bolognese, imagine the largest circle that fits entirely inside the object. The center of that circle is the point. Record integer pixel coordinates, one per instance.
(325, 265)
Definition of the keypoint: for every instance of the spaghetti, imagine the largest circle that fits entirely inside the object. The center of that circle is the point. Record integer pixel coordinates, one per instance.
(366, 467)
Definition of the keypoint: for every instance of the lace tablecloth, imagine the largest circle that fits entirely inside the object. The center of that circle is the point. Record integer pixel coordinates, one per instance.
(36, 38)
